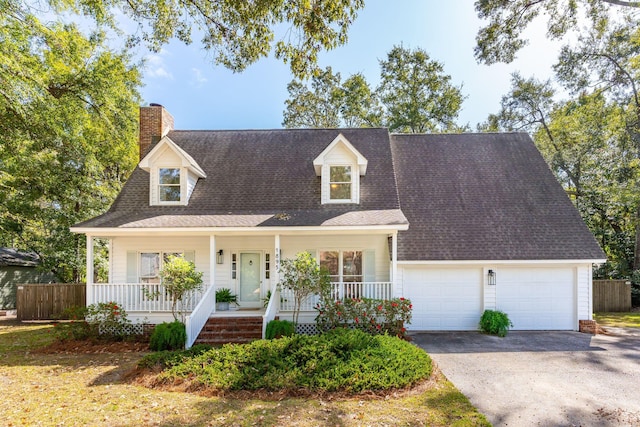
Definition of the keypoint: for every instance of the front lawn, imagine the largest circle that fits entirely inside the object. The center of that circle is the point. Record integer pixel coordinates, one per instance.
(620, 320)
(92, 389)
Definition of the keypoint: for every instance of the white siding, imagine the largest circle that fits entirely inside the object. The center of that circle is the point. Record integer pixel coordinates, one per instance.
(291, 245)
(192, 180)
(122, 245)
(584, 292)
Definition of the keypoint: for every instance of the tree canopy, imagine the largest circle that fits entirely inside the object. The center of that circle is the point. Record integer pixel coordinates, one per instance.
(502, 37)
(68, 123)
(236, 33)
(414, 95)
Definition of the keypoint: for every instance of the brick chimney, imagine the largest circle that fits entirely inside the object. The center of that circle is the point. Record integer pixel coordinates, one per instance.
(155, 122)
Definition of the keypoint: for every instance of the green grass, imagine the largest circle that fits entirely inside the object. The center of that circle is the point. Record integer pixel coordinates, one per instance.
(90, 389)
(621, 320)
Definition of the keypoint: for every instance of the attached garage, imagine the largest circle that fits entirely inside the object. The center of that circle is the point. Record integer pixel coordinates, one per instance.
(538, 298)
(444, 298)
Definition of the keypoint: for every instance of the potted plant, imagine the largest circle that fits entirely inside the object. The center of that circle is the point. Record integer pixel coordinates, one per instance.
(224, 297)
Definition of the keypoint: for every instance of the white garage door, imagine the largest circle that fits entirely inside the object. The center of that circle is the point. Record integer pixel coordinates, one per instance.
(444, 298)
(537, 298)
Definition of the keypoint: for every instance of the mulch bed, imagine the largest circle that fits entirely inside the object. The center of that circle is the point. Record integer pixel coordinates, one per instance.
(94, 347)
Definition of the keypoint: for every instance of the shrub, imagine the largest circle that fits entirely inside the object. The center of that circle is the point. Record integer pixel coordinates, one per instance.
(495, 323)
(369, 315)
(179, 277)
(109, 320)
(105, 320)
(75, 312)
(168, 336)
(74, 330)
(165, 359)
(279, 329)
(341, 360)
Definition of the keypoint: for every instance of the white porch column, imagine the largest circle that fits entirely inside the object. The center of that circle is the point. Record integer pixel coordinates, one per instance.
(212, 260)
(89, 278)
(394, 265)
(276, 256)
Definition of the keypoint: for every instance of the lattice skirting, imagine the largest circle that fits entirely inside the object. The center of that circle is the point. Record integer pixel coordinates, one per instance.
(306, 329)
(132, 329)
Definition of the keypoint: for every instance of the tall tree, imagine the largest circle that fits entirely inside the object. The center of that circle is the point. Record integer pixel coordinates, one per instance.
(68, 122)
(414, 95)
(236, 33)
(330, 103)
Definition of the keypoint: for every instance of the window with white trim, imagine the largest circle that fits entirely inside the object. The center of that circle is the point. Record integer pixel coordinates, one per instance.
(340, 183)
(343, 265)
(169, 188)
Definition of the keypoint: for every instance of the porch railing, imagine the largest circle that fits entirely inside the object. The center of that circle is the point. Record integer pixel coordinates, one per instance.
(340, 291)
(198, 317)
(150, 297)
(272, 308)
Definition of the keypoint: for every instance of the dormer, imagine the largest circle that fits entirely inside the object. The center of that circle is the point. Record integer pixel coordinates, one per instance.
(340, 167)
(173, 174)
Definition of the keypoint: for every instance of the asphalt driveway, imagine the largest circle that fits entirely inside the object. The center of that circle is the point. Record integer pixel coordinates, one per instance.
(544, 378)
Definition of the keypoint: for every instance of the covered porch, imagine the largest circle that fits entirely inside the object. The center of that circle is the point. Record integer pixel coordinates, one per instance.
(363, 265)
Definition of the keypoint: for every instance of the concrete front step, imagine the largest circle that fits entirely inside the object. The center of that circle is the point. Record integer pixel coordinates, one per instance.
(223, 330)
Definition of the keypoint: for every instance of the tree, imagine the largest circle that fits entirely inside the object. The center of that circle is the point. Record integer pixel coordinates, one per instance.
(318, 107)
(68, 124)
(237, 33)
(330, 103)
(501, 38)
(179, 277)
(304, 278)
(414, 95)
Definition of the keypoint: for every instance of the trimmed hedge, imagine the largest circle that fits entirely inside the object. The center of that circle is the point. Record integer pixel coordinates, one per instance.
(340, 360)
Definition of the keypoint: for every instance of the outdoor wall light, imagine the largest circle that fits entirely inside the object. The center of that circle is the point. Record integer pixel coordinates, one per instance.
(492, 277)
(220, 258)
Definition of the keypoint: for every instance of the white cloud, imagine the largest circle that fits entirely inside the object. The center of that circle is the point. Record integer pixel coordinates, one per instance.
(197, 78)
(156, 67)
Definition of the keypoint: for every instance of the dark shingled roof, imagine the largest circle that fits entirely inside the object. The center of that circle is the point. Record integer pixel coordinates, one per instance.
(484, 197)
(465, 196)
(13, 257)
(263, 178)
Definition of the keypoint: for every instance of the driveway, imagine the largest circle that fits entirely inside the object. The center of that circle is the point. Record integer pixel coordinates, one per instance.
(544, 378)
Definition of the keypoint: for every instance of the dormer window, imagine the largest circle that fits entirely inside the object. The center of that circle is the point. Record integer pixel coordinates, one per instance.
(173, 174)
(169, 184)
(340, 167)
(340, 183)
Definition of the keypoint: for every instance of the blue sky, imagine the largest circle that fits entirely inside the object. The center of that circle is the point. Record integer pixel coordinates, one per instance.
(201, 95)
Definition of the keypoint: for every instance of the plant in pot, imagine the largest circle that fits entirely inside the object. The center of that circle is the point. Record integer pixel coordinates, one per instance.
(224, 297)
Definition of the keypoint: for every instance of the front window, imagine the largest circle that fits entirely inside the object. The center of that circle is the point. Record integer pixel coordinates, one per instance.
(169, 184)
(343, 266)
(340, 182)
(150, 267)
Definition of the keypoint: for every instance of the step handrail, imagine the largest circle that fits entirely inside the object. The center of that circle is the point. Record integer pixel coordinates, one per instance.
(198, 317)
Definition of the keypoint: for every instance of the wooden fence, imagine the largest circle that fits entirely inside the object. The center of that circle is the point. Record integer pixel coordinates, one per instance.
(45, 301)
(611, 295)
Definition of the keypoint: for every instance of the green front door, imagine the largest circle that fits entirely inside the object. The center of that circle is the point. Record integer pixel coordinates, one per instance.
(249, 294)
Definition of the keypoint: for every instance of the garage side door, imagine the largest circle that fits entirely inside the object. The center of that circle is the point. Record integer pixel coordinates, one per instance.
(537, 298)
(444, 298)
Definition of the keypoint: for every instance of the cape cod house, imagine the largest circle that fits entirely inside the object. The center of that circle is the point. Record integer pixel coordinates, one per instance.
(458, 223)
